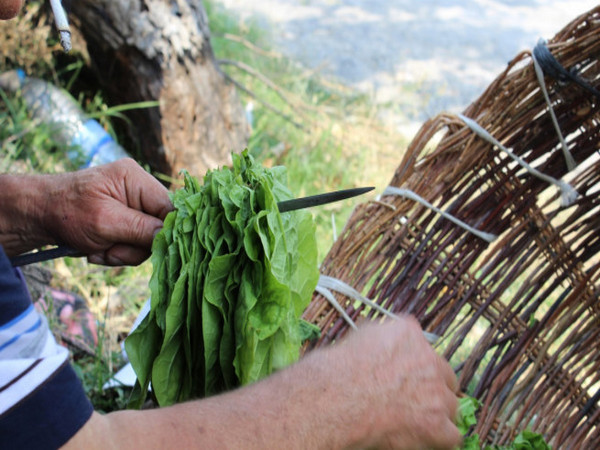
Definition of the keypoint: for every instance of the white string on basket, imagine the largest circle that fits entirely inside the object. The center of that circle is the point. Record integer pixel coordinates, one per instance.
(568, 193)
(392, 190)
(331, 299)
(540, 76)
(326, 283)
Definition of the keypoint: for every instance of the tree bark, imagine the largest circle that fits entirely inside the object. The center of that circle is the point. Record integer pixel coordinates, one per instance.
(160, 50)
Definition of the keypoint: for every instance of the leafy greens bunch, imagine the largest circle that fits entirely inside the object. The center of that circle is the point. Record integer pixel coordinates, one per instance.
(525, 440)
(231, 278)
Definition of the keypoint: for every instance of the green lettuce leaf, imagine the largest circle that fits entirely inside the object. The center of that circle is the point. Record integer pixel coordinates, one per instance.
(528, 440)
(231, 278)
(467, 407)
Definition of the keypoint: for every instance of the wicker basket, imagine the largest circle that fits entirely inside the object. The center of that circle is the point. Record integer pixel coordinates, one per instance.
(518, 316)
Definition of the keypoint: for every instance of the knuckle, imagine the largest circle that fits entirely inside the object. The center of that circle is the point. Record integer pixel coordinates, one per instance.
(122, 167)
(132, 166)
(127, 162)
(437, 420)
(96, 223)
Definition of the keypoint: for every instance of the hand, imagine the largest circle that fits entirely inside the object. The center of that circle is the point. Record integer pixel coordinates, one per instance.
(390, 388)
(110, 212)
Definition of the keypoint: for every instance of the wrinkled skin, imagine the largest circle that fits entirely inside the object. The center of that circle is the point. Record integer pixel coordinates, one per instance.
(110, 213)
(382, 387)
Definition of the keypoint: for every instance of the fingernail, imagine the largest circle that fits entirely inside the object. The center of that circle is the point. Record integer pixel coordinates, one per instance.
(156, 231)
(96, 259)
(114, 261)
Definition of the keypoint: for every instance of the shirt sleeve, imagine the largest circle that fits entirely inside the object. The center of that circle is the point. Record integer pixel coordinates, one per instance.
(42, 402)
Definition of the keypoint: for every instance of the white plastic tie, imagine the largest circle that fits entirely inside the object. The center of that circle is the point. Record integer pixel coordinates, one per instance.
(392, 190)
(331, 299)
(326, 283)
(568, 193)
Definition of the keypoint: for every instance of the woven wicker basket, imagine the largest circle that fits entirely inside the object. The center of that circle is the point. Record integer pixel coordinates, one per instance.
(519, 316)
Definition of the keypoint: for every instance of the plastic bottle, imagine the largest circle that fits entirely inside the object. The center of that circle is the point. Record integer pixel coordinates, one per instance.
(69, 124)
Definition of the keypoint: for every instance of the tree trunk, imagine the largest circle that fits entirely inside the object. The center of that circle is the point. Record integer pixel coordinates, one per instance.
(160, 50)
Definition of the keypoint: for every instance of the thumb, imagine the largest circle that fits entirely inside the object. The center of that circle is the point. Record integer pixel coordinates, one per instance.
(120, 255)
(130, 226)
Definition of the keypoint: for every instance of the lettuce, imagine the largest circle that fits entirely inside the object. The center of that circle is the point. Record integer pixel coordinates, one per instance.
(231, 278)
(467, 408)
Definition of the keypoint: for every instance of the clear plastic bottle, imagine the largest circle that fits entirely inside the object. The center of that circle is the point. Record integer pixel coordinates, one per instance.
(69, 124)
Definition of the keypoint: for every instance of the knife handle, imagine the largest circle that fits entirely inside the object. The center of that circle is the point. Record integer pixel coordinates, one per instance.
(44, 255)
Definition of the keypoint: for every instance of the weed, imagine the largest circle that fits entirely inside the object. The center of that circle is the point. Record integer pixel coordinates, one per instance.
(95, 370)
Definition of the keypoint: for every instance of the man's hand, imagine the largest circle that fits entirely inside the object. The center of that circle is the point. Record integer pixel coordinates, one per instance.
(386, 387)
(403, 394)
(110, 212)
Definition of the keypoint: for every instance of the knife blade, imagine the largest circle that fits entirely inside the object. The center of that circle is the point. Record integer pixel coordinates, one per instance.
(320, 199)
(283, 206)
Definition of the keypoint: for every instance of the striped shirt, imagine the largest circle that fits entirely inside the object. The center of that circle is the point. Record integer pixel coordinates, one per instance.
(42, 402)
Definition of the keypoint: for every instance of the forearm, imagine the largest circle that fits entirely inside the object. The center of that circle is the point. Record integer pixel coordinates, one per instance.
(23, 203)
(383, 386)
(284, 410)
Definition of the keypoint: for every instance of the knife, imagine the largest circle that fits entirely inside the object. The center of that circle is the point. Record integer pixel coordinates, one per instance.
(284, 206)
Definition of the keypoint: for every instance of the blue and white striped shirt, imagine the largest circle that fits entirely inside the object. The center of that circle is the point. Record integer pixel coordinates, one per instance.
(42, 402)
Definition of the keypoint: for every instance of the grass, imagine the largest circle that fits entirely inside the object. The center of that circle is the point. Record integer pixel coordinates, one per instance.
(327, 136)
